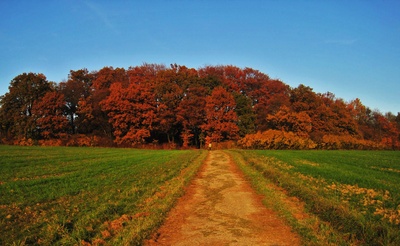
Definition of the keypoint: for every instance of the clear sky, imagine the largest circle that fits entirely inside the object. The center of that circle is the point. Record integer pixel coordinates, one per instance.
(350, 48)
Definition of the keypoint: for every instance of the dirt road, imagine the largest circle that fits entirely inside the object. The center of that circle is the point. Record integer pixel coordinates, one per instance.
(220, 208)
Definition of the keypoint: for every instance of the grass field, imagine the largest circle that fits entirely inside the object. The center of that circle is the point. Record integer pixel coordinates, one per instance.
(354, 195)
(77, 196)
(72, 196)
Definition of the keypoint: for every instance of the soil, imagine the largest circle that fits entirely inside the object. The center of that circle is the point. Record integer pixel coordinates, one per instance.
(220, 208)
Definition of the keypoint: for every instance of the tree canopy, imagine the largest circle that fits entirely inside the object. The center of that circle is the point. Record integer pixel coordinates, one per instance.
(176, 106)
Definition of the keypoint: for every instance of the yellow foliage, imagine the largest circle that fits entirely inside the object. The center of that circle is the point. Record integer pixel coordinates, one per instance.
(274, 139)
(370, 197)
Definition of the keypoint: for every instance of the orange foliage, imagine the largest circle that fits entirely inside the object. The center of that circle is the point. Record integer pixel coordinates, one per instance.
(23, 142)
(275, 139)
(130, 112)
(289, 121)
(51, 142)
(182, 107)
(347, 142)
(49, 112)
(221, 117)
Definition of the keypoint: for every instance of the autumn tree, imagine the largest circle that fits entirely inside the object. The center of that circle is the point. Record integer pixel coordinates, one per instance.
(169, 93)
(131, 112)
(17, 105)
(183, 106)
(364, 118)
(303, 98)
(105, 77)
(191, 114)
(221, 117)
(357, 110)
(144, 74)
(268, 100)
(234, 79)
(75, 89)
(49, 112)
(344, 123)
(253, 83)
(211, 77)
(290, 121)
(93, 120)
(386, 131)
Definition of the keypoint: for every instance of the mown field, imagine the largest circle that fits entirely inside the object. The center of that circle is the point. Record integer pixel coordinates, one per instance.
(76, 196)
(350, 197)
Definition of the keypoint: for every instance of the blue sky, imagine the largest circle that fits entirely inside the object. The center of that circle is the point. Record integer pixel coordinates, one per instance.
(350, 48)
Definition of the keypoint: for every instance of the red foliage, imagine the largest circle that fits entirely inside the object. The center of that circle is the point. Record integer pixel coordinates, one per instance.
(50, 117)
(130, 112)
(191, 114)
(183, 107)
(220, 116)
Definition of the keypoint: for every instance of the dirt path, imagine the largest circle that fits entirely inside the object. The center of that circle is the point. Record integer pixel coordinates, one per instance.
(220, 208)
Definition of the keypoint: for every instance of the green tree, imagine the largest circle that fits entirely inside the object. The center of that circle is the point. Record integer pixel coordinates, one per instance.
(245, 113)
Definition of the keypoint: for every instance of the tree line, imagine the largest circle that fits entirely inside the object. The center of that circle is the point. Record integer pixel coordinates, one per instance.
(180, 107)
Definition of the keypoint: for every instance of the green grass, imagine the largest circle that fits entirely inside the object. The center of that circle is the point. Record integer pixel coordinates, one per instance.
(357, 193)
(68, 196)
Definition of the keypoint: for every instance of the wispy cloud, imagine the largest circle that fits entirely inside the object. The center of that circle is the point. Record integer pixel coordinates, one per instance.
(102, 15)
(341, 41)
